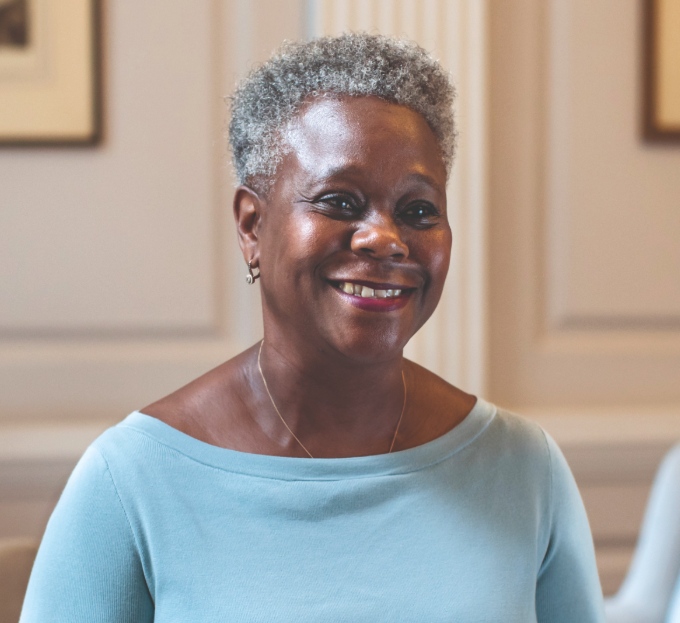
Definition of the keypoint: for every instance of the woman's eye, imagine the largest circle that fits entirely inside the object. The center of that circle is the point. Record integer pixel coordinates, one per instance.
(422, 214)
(339, 203)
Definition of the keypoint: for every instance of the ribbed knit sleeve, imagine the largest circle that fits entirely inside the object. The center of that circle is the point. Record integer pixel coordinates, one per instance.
(568, 588)
(88, 568)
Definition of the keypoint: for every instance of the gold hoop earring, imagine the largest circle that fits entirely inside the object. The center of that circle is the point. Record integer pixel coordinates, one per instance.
(251, 276)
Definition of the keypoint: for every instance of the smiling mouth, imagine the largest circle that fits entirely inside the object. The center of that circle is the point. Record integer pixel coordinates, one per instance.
(374, 297)
(373, 290)
(366, 292)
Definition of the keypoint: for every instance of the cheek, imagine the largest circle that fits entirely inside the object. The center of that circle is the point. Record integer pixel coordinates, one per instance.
(308, 233)
(302, 242)
(437, 256)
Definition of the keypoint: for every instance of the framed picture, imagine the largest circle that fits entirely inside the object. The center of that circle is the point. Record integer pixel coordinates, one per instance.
(662, 70)
(50, 72)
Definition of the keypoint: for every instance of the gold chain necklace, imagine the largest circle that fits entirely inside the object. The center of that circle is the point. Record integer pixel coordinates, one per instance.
(259, 367)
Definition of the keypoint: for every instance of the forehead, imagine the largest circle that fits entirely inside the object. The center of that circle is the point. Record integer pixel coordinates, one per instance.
(361, 134)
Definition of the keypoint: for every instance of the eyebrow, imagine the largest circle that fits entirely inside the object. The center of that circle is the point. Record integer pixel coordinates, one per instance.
(352, 170)
(423, 177)
(339, 171)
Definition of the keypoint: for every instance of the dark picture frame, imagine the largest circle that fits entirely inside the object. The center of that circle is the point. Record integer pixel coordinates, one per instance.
(661, 71)
(47, 98)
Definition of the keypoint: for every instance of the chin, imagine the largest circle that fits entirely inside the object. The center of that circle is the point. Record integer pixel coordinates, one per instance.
(367, 350)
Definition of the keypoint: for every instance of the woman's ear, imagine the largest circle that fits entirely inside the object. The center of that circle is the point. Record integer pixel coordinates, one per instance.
(247, 214)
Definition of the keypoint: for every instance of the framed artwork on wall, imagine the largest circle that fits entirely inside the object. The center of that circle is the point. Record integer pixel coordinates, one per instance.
(662, 70)
(50, 72)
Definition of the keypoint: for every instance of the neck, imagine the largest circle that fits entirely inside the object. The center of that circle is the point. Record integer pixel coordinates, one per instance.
(335, 406)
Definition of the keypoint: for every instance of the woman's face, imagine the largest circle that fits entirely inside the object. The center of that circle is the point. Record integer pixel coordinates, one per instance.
(353, 240)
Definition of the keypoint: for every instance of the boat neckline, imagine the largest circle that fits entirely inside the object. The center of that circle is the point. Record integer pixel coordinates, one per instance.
(299, 468)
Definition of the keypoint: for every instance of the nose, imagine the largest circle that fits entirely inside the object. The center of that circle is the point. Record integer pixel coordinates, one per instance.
(380, 238)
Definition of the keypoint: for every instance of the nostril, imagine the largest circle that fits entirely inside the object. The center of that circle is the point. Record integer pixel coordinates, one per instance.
(380, 242)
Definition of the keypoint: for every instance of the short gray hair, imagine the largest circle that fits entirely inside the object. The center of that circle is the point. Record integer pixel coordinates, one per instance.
(353, 64)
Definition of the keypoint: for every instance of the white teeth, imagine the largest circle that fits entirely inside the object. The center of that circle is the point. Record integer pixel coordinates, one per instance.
(366, 292)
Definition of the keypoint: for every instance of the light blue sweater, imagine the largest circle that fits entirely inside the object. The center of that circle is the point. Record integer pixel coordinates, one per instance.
(483, 524)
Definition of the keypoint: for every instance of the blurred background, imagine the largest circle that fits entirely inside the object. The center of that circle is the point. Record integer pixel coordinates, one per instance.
(121, 279)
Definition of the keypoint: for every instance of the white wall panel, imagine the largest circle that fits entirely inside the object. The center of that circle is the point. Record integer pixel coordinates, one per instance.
(119, 238)
(120, 275)
(612, 203)
(585, 221)
(584, 259)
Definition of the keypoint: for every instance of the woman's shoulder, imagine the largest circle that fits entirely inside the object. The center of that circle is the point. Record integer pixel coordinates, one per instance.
(143, 460)
(517, 431)
(434, 406)
(130, 441)
(211, 408)
(445, 406)
(517, 444)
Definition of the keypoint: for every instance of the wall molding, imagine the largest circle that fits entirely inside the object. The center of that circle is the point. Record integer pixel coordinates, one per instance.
(561, 314)
(88, 367)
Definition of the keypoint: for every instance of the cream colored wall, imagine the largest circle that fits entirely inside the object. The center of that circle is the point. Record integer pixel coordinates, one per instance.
(584, 254)
(120, 274)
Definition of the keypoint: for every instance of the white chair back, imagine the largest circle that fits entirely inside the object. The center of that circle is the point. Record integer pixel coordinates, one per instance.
(647, 593)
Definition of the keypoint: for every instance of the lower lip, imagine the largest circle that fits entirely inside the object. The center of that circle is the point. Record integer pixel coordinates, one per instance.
(377, 305)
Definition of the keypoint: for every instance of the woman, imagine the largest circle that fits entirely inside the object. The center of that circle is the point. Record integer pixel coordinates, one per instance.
(319, 475)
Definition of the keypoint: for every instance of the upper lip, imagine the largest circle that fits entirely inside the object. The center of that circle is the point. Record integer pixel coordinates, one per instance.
(375, 285)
